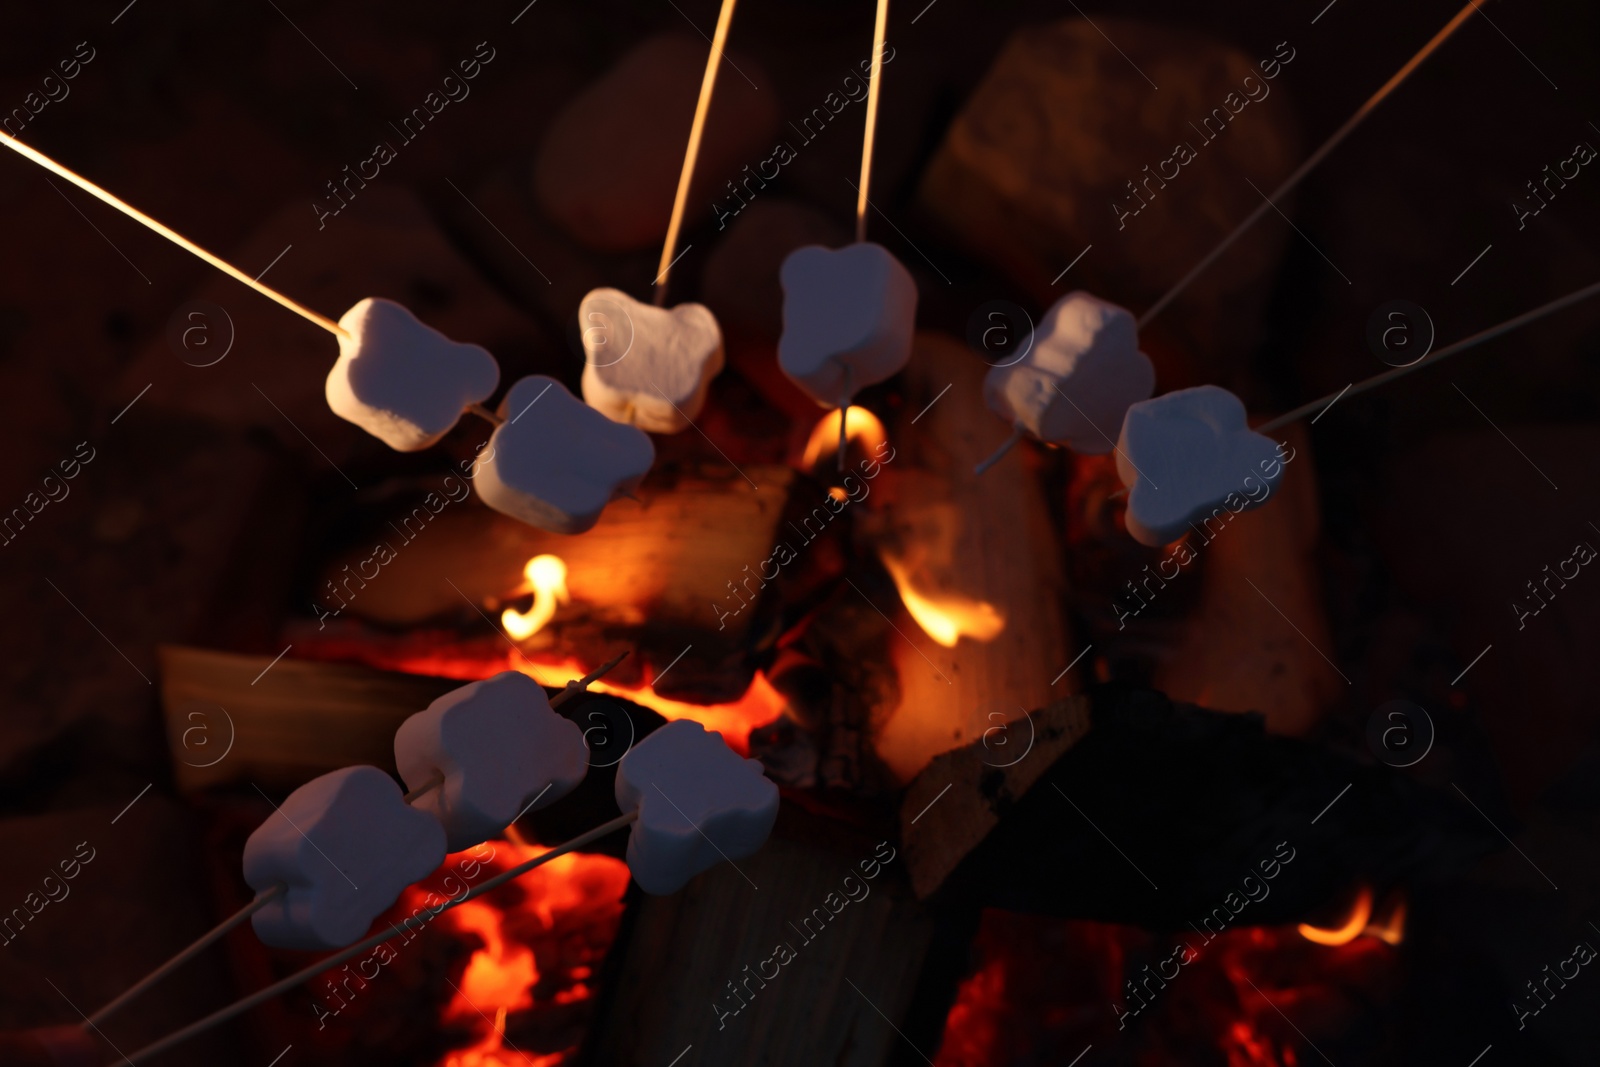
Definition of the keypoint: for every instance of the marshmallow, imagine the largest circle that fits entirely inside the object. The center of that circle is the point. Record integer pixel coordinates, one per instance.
(699, 802)
(556, 462)
(500, 749)
(1190, 453)
(848, 317)
(402, 381)
(647, 366)
(345, 844)
(1075, 383)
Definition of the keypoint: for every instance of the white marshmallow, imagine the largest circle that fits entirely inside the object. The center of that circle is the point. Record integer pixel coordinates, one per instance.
(501, 750)
(403, 381)
(699, 803)
(647, 366)
(1075, 383)
(1187, 454)
(556, 462)
(345, 844)
(848, 319)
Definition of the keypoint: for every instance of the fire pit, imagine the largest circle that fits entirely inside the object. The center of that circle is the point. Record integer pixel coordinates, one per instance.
(1266, 794)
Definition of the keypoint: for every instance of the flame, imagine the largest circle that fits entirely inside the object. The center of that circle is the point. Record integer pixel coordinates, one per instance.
(497, 977)
(759, 705)
(426, 653)
(559, 903)
(859, 425)
(946, 617)
(1352, 927)
(1393, 929)
(547, 576)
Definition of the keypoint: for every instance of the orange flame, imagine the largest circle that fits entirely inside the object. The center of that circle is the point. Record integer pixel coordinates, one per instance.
(1391, 929)
(421, 654)
(1351, 928)
(759, 705)
(860, 425)
(946, 617)
(547, 577)
(500, 978)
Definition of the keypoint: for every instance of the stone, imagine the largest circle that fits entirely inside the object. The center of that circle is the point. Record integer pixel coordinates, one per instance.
(1044, 160)
(609, 164)
(274, 377)
(741, 275)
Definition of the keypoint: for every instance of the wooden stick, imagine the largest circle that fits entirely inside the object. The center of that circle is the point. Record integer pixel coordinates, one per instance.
(874, 83)
(844, 417)
(1017, 434)
(170, 234)
(262, 900)
(692, 153)
(434, 782)
(1316, 157)
(485, 414)
(268, 895)
(844, 414)
(238, 1007)
(578, 685)
(1444, 353)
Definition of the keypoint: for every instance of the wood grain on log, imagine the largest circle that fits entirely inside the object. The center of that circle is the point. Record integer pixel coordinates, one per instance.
(856, 950)
(958, 538)
(280, 724)
(681, 566)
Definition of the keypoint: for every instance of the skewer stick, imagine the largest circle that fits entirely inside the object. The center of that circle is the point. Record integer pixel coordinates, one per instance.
(170, 234)
(844, 417)
(262, 900)
(1316, 157)
(1017, 434)
(874, 83)
(1444, 353)
(578, 685)
(844, 414)
(240, 1006)
(485, 414)
(707, 84)
(266, 897)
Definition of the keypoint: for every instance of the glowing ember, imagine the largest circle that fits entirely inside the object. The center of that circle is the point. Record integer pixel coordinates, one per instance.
(860, 425)
(423, 652)
(946, 617)
(547, 577)
(541, 938)
(760, 704)
(498, 977)
(1250, 997)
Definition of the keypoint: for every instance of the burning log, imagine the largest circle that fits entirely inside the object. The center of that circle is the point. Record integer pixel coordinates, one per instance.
(962, 795)
(233, 718)
(977, 564)
(279, 723)
(690, 570)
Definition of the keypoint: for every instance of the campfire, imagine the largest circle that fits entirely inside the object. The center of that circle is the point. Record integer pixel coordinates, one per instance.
(731, 660)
